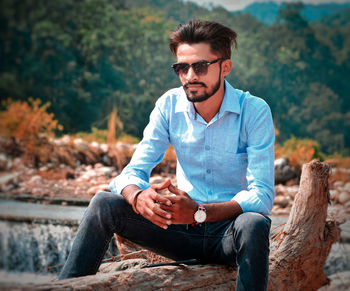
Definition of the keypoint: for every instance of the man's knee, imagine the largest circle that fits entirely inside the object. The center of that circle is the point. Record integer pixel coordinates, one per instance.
(252, 225)
(106, 201)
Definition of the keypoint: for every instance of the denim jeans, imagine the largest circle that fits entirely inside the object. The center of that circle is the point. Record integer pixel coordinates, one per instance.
(243, 242)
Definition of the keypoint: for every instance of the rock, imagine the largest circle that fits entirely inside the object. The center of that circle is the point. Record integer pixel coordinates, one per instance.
(283, 171)
(282, 201)
(98, 188)
(8, 179)
(338, 282)
(343, 197)
(338, 184)
(98, 165)
(156, 179)
(333, 194)
(35, 179)
(347, 187)
(3, 162)
(105, 171)
(122, 265)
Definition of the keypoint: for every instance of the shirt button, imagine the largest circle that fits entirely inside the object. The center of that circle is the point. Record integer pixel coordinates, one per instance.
(207, 147)
(208, 171)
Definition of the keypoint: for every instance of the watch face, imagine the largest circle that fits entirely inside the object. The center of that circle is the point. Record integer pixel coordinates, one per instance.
(200, 216)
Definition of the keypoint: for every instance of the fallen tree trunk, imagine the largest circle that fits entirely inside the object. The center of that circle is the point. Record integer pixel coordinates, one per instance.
(298, 252)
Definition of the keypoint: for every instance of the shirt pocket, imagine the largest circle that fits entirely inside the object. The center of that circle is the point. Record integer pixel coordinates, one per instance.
(231, 169)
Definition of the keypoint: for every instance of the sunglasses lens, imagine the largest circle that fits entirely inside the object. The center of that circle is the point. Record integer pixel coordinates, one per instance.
(181, 68)
(200, 68)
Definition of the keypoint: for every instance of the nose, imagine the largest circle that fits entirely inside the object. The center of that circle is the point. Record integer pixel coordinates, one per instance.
(191, 75)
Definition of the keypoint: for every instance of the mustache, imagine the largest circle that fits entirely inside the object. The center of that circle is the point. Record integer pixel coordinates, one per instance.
(194, 83)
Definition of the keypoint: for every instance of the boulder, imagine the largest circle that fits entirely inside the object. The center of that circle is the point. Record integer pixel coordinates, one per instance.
(283, 171)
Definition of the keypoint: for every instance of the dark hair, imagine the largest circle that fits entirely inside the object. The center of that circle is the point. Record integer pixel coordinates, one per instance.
(219, 37)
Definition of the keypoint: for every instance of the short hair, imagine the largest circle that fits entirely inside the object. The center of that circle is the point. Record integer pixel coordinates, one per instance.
(219, 37)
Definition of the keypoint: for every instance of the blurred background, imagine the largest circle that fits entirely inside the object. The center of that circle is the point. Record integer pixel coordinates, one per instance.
(90, 56)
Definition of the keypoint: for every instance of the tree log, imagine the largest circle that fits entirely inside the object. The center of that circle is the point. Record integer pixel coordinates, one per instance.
(298, 252)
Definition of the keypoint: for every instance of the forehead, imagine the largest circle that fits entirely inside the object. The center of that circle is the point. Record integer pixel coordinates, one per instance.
(194, 52)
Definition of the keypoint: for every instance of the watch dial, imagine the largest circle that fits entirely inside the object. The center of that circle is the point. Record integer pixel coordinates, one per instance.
(200, 216)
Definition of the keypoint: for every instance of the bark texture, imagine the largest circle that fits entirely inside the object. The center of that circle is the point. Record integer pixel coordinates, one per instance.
(300, 250)
(297, 256)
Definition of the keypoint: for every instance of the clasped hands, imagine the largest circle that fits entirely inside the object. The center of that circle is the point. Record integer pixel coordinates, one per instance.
(164, 210)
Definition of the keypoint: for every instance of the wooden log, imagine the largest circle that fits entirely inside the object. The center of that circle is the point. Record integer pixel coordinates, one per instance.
(297, 256)
(301, 248)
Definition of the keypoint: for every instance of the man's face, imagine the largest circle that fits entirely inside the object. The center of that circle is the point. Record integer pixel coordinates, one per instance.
(199, 87)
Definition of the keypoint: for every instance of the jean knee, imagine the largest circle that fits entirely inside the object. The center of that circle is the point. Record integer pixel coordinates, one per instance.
(253, 225)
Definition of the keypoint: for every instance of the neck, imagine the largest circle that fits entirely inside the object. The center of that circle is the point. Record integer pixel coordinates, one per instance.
(210, 107)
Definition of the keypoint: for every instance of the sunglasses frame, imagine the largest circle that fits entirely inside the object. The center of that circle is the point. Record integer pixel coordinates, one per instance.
(184, 70)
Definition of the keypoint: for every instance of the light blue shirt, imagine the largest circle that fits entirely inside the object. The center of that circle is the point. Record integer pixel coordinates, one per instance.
(229, 158)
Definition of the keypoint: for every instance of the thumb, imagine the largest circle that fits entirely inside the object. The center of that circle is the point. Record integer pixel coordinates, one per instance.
(162, 185)
(176, 190)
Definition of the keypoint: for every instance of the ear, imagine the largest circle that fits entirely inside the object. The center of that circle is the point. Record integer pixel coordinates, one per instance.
(226, 67)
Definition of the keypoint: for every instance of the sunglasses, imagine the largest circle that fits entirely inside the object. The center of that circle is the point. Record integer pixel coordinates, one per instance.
(200, 68)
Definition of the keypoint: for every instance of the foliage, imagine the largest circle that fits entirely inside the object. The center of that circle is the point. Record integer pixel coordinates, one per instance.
(28, 124)
(87, 57)
(101, 136)
(299, 151)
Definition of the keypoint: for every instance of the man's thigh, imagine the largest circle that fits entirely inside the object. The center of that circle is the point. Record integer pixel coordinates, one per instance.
(225, 239)
(178, 242)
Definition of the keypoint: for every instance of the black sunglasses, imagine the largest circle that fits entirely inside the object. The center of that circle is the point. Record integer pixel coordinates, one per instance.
(200, 68)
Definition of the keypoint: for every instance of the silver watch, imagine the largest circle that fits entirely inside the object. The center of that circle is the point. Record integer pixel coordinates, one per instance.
(200, 215)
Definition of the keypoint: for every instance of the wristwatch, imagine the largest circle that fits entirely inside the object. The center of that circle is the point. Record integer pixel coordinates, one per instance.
(200, 215)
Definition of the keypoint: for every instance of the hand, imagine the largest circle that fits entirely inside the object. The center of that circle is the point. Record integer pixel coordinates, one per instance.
(150, 205)
(183, 206)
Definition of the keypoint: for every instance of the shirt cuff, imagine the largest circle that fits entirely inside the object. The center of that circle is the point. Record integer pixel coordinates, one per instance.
(250, 202)
(119, 183)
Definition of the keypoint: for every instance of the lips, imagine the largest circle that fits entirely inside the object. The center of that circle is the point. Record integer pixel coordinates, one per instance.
(194, 86)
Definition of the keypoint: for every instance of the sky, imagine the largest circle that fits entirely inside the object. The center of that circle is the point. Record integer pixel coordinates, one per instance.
(233, 5)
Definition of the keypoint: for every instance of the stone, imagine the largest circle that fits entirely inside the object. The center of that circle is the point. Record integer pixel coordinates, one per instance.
(98, 188)
(3, 162)
(8, 179)
(156, 180)
(122, 265)
(343, 197)
(35, 179)
(283, 171)
(338, 184)
(282, 201)
(338, 282)
(347, 187)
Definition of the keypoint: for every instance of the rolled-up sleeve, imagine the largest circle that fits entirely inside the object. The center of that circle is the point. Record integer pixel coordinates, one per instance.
(149, 152)
(260, 192)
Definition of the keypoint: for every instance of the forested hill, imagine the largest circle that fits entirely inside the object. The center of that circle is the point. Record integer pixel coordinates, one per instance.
(267, 12)
(85, 57)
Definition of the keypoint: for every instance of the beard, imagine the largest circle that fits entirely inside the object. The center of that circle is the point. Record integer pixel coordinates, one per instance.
(193, 96)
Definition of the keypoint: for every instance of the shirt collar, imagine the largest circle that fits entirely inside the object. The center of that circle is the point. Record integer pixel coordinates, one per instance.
(230, 103)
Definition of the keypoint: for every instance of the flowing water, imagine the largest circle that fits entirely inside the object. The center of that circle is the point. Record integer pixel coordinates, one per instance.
(37, 238)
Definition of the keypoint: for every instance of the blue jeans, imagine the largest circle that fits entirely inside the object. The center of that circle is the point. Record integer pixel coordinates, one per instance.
(243, 242)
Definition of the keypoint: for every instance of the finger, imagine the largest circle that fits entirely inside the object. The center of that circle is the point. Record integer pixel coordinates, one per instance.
(176, 191)
(156, 219)
(162, 185)
(162, 199)
(157, 210)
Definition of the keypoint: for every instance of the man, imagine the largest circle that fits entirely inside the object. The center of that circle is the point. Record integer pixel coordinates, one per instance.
(224, 142)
